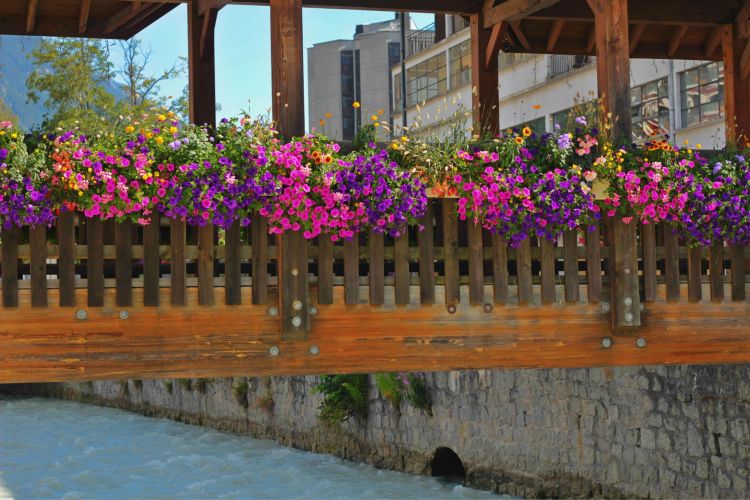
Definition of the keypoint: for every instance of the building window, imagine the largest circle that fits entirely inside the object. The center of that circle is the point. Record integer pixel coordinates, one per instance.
(702, 94)
(460, 65)
(649, 109)
(536, 125)
(426, 80)
(347, 95)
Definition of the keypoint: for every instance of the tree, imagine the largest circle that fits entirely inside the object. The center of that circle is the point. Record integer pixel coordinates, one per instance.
(6, 113)
(141, 88)
(72, 75)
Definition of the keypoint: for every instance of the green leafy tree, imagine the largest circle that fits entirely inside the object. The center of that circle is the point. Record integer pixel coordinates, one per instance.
(7, 114)
(71, 75)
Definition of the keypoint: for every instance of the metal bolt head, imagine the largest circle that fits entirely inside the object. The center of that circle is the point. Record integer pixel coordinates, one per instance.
(605, 306)
(606, 342)
(295, 272)
(82, 315)
(274, 351)
(451, 309)
(314, 350)
(487, 308)
(273, 311)
(627, 301)
(629, 317)
(124, 314)
(313, 310)
(296, 322)
(627, 270)
(297, 305)
(640, 343)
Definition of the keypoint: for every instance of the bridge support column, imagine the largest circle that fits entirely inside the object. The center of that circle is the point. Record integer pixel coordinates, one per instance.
(289, 113)
(613, 80)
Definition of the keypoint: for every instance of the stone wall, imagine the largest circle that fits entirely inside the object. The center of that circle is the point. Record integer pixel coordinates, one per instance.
(636, 432)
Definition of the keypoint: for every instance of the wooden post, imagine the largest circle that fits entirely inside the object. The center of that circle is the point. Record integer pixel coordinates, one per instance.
(613, 80)
(202, 76)
(484, 80)
(288, 106)
(736, 88)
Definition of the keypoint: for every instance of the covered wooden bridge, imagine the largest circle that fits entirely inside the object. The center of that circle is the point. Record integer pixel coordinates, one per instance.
(114, 301)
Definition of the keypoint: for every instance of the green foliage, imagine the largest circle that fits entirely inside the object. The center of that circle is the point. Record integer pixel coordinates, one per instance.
(71, 74)
(345, 396)
(240, 388)
(168, 385)
(398, 387)
(7, 114)
(365, 135)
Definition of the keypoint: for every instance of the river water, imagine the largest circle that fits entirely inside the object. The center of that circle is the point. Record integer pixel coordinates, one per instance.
(63, 449)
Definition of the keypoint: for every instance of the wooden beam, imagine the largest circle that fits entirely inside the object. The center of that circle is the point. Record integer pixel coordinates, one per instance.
(591, 41)
(495, 43)
(83, 16)
(516, 27)
(635, 36)
(31, 16)
(201, 70)
(127, 17)
(206, 5)
(713, 42)
(744, 63)
(286, 67)
(513, 10)
(674, 42)
(484, 79)
(554, 33)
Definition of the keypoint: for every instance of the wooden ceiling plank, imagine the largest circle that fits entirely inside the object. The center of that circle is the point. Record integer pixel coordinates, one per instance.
(516, 27)
(714, 39)
(513, 10)
(591, 41)
(493, 46)
(745, 62)
(83, 16)
(674, 42)
(635, 36)
(554, 33)
(31, 16)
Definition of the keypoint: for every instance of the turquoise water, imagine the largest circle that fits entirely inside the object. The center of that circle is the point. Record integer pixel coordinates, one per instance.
(62, 449)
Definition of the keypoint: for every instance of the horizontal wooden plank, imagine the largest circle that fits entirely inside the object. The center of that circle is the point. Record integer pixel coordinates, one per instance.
(48, 345)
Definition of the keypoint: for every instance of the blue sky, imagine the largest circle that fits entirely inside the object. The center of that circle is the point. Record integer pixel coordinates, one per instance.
(243, 49)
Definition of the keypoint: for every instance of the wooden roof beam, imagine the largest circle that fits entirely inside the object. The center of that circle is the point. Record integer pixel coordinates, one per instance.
(591, 41)
(554, 33)
(83, 16)
(129, 16)
(635, 36)
(493, 46)
(206, 5)
(674, 43)
(31, 16)
(516, 27)
(513, 10)
(714, 39)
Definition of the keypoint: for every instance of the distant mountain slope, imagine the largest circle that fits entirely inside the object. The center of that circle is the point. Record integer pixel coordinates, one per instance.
(15, 67)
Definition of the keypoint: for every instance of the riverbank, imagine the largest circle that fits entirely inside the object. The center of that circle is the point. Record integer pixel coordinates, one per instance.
(633, 432)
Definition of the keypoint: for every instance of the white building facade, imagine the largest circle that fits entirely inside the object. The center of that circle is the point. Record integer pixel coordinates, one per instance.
(682, 99)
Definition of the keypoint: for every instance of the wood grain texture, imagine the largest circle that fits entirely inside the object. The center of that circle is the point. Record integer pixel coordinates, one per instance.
(500, 268)
(716, 271)
(671, 264)
(570, 265)
(594, 266)
(694, 275)
(427, 256)
(376, 268)
(233, 265)
(325, 269)
(450, 251)
(548, 271)
(351, 270)
(177, 262)
(124, 264)
(294, 298)
(738, 273)
(95, 262)
(66, 261)
(476, 264)
(648, 241)
(38, 242)
(259, 242)
(523, 266)
(49, 345)
(151, 261)
(206, 265)
(401, 261)
(626, 310)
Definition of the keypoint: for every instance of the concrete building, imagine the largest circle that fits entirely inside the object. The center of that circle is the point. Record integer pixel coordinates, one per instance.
(341, 72)
(681, 98)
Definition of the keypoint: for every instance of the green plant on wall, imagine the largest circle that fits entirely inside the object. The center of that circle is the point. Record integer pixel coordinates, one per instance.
(240, 389)
(399, 387)
(344, 396)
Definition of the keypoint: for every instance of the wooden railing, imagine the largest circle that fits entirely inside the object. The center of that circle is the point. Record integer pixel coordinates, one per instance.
(449, 262)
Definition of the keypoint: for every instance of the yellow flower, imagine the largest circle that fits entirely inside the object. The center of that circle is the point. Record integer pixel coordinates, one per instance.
(519, 140)
(404, 138)
(329, 115)
(376, 124)
(129, 129)
(149, 135)
(698, 146)
(159, 140)
(173, 129)
(526, 131)
(13, 135)
(395, 145)
(161, 118)
(2, 132)
(355, 104)
(374, 118)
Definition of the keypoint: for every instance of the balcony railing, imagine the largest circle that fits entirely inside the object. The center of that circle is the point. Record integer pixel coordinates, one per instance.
(561, 64)
(420, 40)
